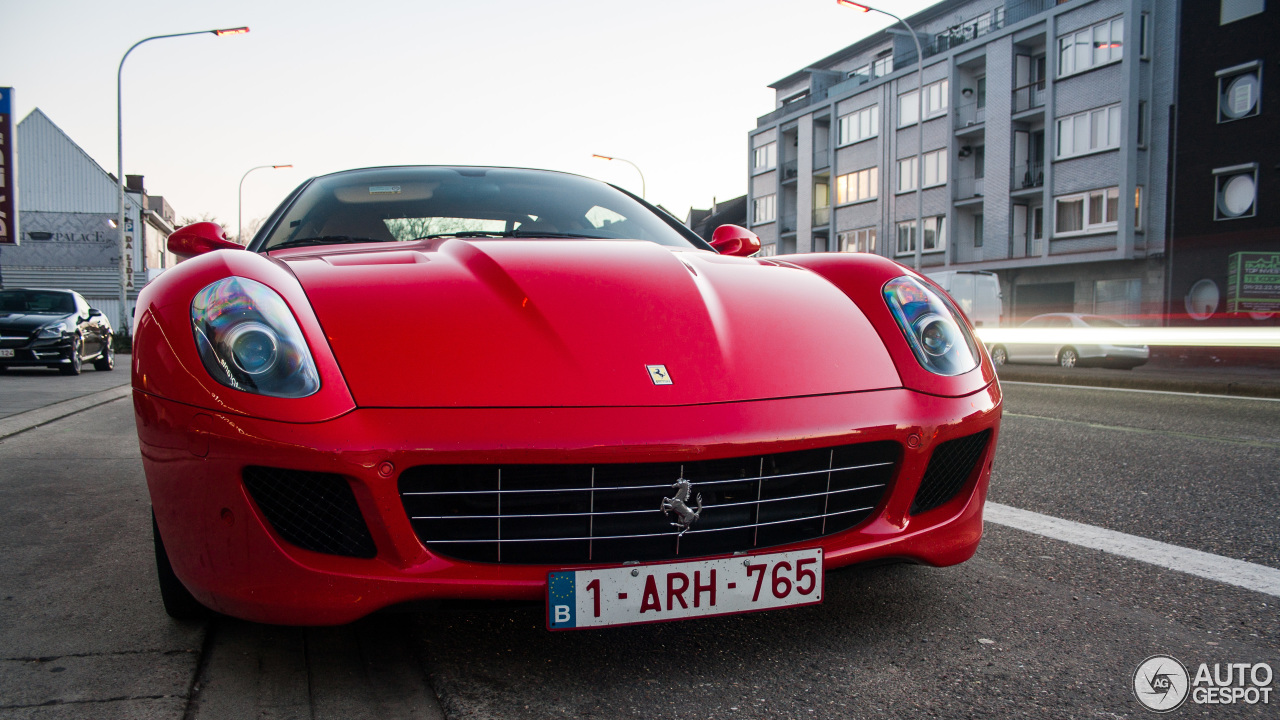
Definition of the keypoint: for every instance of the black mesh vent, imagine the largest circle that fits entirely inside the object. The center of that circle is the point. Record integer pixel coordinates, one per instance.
(611, 513)
(949, 467)
(315, 511)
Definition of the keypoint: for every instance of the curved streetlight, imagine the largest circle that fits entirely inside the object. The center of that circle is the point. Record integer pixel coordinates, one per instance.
(919, 179)
(124, 267)
(240, 200)
(637, 167)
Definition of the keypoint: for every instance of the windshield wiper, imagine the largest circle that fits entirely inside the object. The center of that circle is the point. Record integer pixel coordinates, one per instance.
(325, 240)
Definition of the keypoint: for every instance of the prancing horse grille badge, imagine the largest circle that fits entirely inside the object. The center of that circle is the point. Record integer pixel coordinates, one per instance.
(658, 374)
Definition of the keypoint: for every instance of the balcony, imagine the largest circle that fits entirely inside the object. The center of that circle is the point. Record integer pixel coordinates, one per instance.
(1028, 97)
(1027, 176)
(966, 31)
(821, 159)
(821, 216)
(968, 188)
(788, 224)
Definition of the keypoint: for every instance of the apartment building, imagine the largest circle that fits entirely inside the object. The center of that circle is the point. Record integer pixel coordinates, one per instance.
(1032, 141)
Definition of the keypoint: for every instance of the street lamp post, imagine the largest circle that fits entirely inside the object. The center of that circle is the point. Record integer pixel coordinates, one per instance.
(637, 167)
(240, 200)
(120, 227)
(919, 178)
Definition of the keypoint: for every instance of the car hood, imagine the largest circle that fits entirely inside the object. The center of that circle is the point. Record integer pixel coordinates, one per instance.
(578, 323)
(26, 323)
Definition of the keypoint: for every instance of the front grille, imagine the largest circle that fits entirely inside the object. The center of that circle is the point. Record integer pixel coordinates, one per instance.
(949, 468)
(315, 511)
(612, 512)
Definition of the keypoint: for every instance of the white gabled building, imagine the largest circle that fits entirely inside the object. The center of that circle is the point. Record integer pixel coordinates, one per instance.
(67, 209)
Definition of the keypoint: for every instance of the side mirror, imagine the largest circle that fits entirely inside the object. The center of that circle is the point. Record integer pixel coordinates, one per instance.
(734, 240)
(94, 312)
(198, 239)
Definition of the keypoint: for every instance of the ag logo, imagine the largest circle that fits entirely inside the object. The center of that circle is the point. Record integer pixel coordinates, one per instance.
(1161, 683)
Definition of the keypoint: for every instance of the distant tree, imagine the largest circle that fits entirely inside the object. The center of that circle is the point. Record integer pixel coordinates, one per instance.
(191, 219)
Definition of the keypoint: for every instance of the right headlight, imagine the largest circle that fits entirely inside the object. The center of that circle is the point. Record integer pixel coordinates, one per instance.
(50, 331)
(933, 329)
(249, 340)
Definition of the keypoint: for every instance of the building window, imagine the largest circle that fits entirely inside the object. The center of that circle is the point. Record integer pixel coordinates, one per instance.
(980, 162)
(1239, 90)
(1091, 212)
(766, 156)
(861, 240)
(982, 92)
(977, 230)
(1233, 10)
(1142, 123)
(907, 174)
(1089, 132)
(858, 186)
(803, 94)
(859, 125)
(1037, 222)
(936, 99)
(766, 209)
(1237, 192)
(767, 250)
(935, 235)
(1137, 208)
(1091, 47)
(935, 167)
(1144, 36)
(1117, 298)
(883, 65)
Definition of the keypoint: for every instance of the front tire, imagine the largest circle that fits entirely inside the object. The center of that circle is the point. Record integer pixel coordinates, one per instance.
(107, 360)
(178, 600)
(999, 356)
(77, 362)
(1068, 357)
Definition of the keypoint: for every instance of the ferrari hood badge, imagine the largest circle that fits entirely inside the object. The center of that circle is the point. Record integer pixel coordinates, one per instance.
(678, 504)
(658, 374)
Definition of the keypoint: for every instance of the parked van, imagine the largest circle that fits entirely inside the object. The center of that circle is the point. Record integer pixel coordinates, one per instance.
(977, 292)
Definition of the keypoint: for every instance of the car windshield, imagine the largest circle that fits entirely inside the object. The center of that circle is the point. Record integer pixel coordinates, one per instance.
(38, 302)
(404, 204)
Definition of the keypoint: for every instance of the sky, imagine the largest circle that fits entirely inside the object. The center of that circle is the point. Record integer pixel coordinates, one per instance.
(673, 86)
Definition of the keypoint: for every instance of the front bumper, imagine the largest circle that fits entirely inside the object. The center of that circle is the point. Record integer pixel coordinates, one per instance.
(232, 559)
(37, 353)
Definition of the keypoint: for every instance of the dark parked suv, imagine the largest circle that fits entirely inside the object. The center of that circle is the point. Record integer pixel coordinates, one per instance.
(54, 328)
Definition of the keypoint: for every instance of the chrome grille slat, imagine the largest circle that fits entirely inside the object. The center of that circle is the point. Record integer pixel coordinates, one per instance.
(664, 486)
(633, 512)
(611, 512)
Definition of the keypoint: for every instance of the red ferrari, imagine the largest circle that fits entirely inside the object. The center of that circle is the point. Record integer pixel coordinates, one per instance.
(463, 382)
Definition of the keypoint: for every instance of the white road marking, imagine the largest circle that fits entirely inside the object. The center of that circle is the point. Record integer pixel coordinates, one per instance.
(1250, 576)
(1136, 390)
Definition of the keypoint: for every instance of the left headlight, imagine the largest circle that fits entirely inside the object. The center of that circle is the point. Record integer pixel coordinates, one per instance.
(249, 340)
(50, 331)
(941, 342)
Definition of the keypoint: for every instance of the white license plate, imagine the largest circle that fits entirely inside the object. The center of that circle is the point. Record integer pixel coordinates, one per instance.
(673, 591)
(6, 353)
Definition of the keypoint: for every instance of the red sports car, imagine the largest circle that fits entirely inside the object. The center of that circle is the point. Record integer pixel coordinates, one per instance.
(462, 382)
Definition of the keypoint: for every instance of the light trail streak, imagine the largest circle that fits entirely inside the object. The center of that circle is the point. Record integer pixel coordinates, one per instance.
(1177, 336)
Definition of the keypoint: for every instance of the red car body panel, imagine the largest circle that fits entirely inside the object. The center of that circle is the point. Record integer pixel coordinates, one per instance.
(498, 351)
(231, 560)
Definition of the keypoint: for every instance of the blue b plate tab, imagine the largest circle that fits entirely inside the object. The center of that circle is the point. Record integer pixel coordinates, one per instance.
(561, 601)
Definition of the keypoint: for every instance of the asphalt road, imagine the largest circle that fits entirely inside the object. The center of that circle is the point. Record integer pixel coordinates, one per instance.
(1031, 627)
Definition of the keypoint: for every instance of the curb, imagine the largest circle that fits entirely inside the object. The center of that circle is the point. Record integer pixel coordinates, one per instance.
(21, 422)
(1237, 388)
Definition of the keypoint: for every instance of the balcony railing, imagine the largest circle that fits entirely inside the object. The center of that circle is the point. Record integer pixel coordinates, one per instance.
(788, 224)
(790, 169)
(970, 114)
(1027, 176)
(1028, 97)
(968, 187)
(821, 159)
(821, 216)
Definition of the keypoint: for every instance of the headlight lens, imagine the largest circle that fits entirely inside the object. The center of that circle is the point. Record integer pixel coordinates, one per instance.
(937, 336)
(249, 340)
(50, 331)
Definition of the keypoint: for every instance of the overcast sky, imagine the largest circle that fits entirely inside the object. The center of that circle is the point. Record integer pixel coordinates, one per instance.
(672, 85)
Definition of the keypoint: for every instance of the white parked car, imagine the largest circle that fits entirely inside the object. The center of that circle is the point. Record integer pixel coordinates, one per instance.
(1066, 354)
